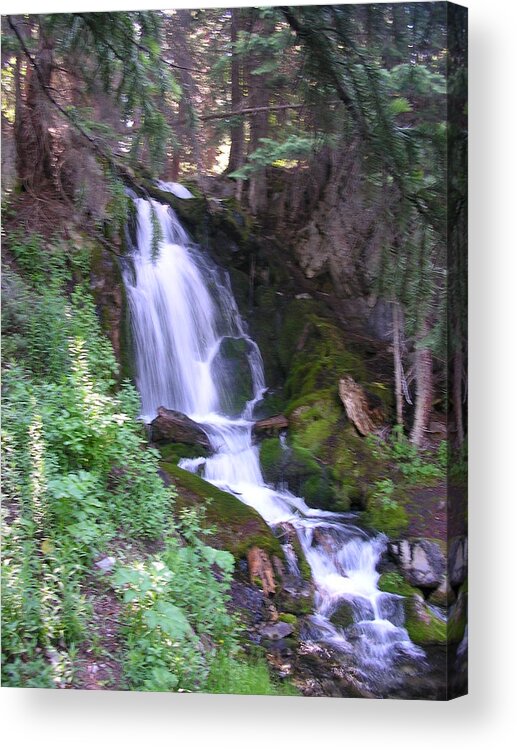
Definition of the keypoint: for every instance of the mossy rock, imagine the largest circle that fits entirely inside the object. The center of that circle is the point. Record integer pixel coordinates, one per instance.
(457, 619)
(424, 627)
(393, 582)
(289, 618)
(238, 527)
(391, 519)
(231, 369)
(343, 615)
(297, 468)
(174, 452)
(314, 422)
(295, 605)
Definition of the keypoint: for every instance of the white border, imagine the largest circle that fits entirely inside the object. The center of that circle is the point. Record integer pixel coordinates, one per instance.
(59, 719)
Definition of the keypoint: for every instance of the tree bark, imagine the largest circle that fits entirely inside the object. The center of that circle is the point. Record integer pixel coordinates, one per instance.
(258, 96)
(236, 158)
(397, 363)
(424, 391)
(33, 118)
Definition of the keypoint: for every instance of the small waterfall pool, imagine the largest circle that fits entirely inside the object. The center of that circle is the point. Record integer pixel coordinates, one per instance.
(182, 309)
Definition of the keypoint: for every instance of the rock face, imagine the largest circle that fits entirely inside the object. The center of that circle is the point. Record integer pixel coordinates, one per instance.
(231, 369)
(173, 426)
(421, 561)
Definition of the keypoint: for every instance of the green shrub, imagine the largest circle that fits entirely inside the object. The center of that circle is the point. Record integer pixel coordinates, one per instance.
(416, 465)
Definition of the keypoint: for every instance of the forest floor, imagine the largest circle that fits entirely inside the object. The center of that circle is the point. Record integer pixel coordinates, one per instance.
(431, 516)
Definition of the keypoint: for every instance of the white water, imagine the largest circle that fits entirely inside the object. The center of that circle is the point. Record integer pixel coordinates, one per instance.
(182, 309)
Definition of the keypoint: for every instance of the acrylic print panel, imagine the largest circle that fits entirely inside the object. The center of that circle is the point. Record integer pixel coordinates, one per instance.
(234, 346)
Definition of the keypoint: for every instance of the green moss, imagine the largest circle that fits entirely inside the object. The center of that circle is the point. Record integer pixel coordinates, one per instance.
(237, 526)
(319, 493)
(173, 452)
(422, 624)
(322, 360)
(391, 520)
(270, 454)
(343, 616)
(457, 620)
(232, 367)
(289, 618)
(393, 583)
(303, 565)
(295, 605)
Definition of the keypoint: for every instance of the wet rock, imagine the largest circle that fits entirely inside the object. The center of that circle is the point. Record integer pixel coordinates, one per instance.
(458, 560)
(231, 369)
(343, 615)
(422, 561)
(424, 625)
(442, 596)
(457, 619)
(391, 608)
(174, 426)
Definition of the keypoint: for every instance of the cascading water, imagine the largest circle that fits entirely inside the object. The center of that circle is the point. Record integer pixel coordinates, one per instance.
(183, 313)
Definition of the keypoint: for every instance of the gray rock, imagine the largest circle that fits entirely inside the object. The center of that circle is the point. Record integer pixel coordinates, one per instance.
(422, 561)
(277, 630)
(106, 563)
(458, 560)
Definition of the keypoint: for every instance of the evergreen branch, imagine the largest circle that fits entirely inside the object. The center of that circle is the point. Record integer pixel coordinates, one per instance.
(257, 110)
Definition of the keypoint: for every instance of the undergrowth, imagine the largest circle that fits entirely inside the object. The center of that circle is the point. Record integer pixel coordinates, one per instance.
(79, 482)
(417, 466)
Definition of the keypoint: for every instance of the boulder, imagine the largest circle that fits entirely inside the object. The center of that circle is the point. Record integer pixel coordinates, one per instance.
(271, 425)
(442, 596)
(173, 426)
(424, 626)
(458, 560)
(343, 615)
(231, 369)
(422, 561)
(457, 618)
(277, 630)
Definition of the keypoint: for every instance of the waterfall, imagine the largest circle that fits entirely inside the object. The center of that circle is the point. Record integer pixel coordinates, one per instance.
(183, 316)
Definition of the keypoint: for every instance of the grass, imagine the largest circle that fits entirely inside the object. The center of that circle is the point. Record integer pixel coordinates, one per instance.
(229, 676)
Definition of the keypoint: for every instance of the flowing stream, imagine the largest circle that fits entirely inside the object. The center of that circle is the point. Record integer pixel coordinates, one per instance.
(183, 316)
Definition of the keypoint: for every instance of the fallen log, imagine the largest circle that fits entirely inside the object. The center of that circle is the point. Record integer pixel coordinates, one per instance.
(271, 425)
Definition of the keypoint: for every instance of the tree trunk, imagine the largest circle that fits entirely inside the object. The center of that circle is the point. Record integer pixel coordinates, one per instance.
(177, 33)
(236, 158)
(33, 120)
(424, 391)
(258, 97)
(397, 363)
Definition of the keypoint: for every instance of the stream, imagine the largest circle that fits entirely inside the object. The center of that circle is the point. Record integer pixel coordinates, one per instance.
(182, 310)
